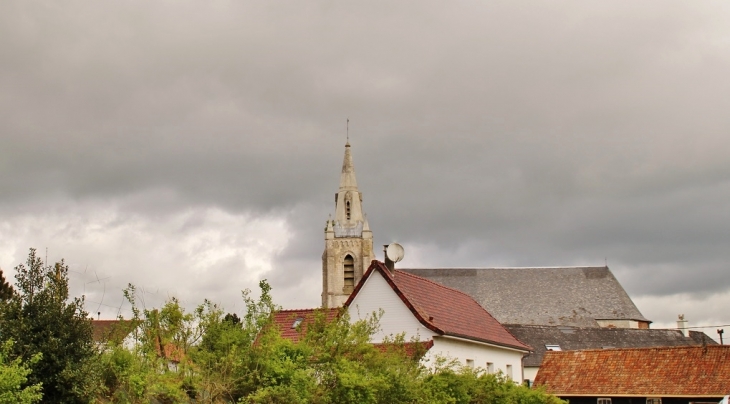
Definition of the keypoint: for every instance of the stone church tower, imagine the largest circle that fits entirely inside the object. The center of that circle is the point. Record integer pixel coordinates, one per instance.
(348, 240)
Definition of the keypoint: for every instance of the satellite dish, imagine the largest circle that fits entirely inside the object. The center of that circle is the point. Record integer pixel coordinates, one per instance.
(394, 252)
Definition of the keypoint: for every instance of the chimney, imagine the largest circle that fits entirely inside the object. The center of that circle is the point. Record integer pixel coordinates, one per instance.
(682, 325)
(388, 262)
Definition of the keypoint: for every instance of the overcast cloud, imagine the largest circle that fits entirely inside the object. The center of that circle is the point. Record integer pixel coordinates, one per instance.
(194, 148)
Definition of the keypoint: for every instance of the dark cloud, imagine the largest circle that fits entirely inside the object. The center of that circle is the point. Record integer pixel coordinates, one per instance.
(483, 134)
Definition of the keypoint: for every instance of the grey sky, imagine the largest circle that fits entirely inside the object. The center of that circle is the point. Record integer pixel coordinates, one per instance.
(194, 148)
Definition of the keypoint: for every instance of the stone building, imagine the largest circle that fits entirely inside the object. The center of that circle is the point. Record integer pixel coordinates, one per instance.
(348, 240)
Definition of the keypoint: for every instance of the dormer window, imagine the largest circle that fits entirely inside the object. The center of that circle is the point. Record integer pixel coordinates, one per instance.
(347, 210)
(297, 322)
(553, 347)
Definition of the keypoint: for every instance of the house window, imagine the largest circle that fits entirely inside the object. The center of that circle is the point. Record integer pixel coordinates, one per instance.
(349, 274)
(509, 371)
(553, 347)
(654, 400)
(490, 368)
(470, 363)
(604, 401)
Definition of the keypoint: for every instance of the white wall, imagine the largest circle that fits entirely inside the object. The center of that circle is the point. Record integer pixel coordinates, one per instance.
(530, 372)
(376, 294)
(480, 353)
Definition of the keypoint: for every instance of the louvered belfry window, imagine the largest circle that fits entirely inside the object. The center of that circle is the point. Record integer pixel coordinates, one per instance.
(349, 273)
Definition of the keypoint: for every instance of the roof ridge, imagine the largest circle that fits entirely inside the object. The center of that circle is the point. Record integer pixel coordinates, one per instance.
(656, 348)
(300, 310)
(443, 287)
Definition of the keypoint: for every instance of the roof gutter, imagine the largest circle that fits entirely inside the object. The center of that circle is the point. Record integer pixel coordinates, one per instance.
(491, 344)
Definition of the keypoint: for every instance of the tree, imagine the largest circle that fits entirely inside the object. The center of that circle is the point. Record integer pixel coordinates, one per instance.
(40, 318)
(227, 359)
(6, 290)
(13, 375)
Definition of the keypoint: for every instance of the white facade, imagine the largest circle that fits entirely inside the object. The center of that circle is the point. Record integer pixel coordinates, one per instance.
(375, 294)
(529, 373)
(488, 357)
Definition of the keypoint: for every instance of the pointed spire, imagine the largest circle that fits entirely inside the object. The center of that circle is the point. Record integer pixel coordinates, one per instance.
(347, 178)
(348, 206)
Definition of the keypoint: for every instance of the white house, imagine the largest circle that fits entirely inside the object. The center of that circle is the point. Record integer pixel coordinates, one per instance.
(457, 325)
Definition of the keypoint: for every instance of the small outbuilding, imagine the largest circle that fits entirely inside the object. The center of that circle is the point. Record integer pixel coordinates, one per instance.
(664, 375)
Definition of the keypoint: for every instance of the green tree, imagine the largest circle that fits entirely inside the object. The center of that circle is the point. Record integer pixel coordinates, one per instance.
(245, 360)
(41, 318)
(13, 375)
(454, 384)
(6, 290)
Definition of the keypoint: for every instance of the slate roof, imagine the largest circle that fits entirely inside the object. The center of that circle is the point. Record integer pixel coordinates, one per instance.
(573, 338)
(572, 296)
(285, 320)
(697, 371)
(441, 309)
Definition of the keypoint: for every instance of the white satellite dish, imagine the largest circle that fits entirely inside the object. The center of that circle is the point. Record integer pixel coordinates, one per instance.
(394, 252)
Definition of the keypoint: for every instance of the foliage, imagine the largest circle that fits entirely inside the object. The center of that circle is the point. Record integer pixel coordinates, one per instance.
(454, 384)
(225, 359)
(6, 290)
(40, 318)
(209, 356)
(177, 356)
(13, 375)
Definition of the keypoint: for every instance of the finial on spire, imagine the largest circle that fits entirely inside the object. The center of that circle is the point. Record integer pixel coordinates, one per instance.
(348, 132)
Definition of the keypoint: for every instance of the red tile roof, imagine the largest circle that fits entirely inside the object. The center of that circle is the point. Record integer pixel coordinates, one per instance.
(106, 330)
(443, 310)
(687, 371)
(284, 320)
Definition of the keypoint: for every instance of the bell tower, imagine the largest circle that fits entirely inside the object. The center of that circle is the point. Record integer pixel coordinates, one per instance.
(348, 241)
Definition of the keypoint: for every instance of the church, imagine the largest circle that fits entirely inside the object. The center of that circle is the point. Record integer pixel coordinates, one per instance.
(541, 309)
(348, 240)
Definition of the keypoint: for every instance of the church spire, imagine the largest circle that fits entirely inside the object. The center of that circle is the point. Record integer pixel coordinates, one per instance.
(347, 178)
(348, 200)
(348, 240)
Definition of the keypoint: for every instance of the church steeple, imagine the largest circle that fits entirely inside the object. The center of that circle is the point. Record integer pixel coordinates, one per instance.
(348, 200)
(348, 240)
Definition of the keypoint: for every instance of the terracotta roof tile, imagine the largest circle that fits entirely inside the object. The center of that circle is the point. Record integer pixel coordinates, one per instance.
(442, 309)
(689, 371)
(115, 330)
(285, 321)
